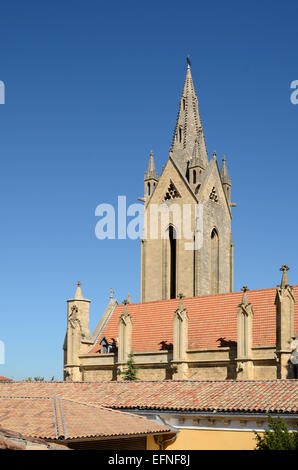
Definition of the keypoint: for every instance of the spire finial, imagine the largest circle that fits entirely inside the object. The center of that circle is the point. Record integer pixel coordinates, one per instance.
(78, 294)
(244, 297)
(125, 311)
(188, 61)
(112, 293)
(129, 298)
(181, 306)
(284, 279)
(214, 154)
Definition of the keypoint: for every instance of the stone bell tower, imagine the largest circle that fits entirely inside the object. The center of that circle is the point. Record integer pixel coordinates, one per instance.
(187, 244)
(77, 334)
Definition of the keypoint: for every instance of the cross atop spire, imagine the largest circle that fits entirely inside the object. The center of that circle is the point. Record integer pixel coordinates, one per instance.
(188, 126)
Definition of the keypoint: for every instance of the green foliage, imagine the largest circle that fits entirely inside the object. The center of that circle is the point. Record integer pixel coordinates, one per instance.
(277, 437)
(35, 379)
(130, 373)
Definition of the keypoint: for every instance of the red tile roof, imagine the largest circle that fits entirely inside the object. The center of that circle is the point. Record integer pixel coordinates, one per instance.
(58, 418)
(12, 440)
(210, 317)
(5, 379)
(279, 396)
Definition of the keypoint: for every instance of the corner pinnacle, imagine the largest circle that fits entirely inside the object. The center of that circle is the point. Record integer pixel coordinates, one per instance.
(284, 279)
(78, 294)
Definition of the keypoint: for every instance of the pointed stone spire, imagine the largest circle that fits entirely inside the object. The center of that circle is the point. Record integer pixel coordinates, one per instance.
(181, 306)
(188, 126)
(284, 280)
(224, 172)
(151, 170)
(225, 179)
(78, 294)
(197, 159)
(125, 310)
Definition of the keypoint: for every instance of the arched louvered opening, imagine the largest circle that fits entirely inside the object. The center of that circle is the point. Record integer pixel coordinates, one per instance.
(173, 261)
(214, 262)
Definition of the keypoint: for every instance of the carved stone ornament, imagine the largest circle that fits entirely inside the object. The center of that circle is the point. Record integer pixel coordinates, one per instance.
(172, 192)
(73, 317)
(213, 195)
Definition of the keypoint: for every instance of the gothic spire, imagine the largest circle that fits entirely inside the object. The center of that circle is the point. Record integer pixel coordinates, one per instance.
(188, 126)
(151, 171)
(224, 173)
(197, 157)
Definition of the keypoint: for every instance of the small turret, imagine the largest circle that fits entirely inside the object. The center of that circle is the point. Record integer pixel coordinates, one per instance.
(150, 178)
(197, 166)
(77, 332)
(285, 307)
(226, 182)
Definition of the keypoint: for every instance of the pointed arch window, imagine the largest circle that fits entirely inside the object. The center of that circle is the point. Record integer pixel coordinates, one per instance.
(194, 177)
(214, 262)
(148, 189)
(180, 134)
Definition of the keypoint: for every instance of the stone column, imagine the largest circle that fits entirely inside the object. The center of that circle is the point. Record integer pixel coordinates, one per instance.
(245, 366)
(180, 341)
(77, 330)
(124, 336)
(285, 302)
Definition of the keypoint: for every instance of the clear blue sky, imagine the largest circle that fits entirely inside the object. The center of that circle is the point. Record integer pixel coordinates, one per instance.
(91, 88)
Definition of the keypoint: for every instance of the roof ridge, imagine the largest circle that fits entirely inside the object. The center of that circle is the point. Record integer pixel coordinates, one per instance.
(144, 381)
(59, 418)
(105, 408)
(203, 296)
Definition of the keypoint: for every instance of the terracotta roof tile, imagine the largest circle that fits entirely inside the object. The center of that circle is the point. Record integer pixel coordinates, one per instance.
(39, 418)
(280, 396)
(210, 317)
(12, 440)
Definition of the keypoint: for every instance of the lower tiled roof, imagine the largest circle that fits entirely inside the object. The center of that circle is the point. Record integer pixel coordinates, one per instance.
(12, 440)
(275, 396)
(59, 418)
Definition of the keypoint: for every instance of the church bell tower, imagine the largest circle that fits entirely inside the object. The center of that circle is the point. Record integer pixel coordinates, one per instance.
(187, 243)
